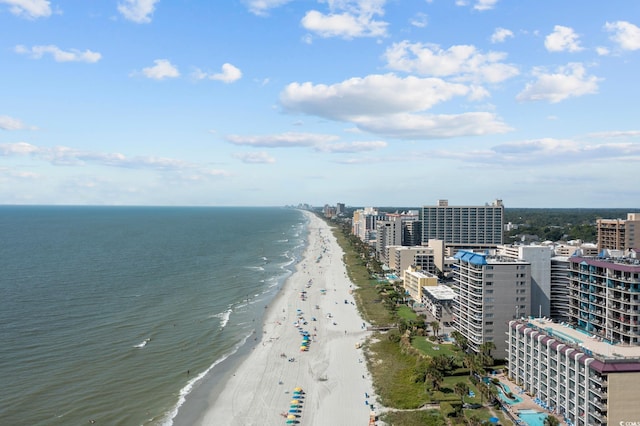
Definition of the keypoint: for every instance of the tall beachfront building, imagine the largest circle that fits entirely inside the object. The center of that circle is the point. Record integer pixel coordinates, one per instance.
(491, 291)
(619, 234)
(364, 222)
(463, 226)
(587, 369)
(540, 259)
(390, 231)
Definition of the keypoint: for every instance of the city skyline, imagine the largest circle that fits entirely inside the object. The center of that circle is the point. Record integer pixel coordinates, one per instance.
(274, 102)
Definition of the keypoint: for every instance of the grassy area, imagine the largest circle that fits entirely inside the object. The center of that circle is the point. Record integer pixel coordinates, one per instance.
(414, 418)
(393, 375)
(406, 313)
(427, 347)
(366, 294)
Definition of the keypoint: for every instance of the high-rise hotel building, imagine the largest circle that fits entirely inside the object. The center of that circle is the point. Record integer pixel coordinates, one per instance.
(463, 226)
(619, 234)
(587, 369)
(491, 291)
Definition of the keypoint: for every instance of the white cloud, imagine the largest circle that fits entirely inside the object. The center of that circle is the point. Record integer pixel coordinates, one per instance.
(463, 62)
(568, 81)
(485, 4)
(615, 134)
(353, 147)
(262, 7)
(229, 74)
(602, 51)
(18, 148)
(562, 39)
(161, 70)
(282, 140)
(31, 9)
(10, 123)
(348, 19)
(480, 5)
(59, 55)
(373, 95)
(139, 11)
(500, 35)
(545, 151)
(420, 20)
(67, 156)
(431, 126)
(255, 157)
(625, 34)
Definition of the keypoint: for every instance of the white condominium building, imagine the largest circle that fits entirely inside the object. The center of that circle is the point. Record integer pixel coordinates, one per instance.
(491, 291)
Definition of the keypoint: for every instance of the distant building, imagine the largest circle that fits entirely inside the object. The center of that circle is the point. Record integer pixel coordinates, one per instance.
(414, 281)
(420, 257)
(579, 248)
(391, 231)
(491, 291)
(467, 227)
(619, 234)
(340, 209)
(364, 224)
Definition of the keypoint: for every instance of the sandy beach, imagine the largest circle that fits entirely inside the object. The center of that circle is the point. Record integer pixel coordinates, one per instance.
(315, 301)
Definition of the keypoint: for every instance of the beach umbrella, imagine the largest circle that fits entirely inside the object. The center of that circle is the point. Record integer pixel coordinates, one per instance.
(291, 417)
(298, 389)
(294, 401)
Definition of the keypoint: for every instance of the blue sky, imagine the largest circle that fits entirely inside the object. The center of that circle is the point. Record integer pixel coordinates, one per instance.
(273, 102)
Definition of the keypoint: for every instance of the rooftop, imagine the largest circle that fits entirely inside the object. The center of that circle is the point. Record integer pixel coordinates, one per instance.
(589, 344)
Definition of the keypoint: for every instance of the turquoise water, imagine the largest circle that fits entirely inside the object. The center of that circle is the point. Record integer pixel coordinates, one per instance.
(120, 314)
(532, 417)
(563, 336)
(502, 388)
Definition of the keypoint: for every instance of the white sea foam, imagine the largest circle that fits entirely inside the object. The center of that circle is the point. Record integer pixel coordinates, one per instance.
(224, 317)
(142, 344)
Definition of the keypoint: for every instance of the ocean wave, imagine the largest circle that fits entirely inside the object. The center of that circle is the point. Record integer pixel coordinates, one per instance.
(224, 317)
(142, 344)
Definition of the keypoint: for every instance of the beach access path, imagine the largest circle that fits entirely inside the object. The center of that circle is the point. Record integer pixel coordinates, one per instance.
(331, 371)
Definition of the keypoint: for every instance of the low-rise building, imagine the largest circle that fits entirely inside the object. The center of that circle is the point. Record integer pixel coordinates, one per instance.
(414, 281)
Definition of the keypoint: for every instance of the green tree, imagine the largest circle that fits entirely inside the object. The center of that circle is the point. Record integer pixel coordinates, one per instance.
(435, 325)
(461, 389)
(551, 421)
(460, 340)
(434, 377)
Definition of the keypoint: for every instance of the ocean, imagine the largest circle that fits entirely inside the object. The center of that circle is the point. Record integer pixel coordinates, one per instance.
(117, 315)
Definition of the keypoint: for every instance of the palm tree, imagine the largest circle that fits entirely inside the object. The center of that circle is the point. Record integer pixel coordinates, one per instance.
(435, 377)
(435, 325)
(551, 421)
(461, 389)
(460, 340)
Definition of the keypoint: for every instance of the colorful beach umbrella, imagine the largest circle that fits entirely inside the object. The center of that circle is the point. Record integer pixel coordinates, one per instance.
(291, 417)
(298, 389)
(294, 401)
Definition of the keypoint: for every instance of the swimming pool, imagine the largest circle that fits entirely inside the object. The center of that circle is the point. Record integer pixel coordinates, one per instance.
(503, 390)
(532, 417)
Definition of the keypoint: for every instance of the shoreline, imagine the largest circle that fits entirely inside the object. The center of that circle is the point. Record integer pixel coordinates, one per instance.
(258, 387)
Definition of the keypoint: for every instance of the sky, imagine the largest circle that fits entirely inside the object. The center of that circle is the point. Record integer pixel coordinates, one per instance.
(278, 102)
